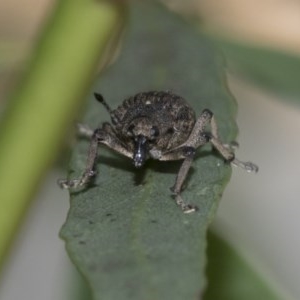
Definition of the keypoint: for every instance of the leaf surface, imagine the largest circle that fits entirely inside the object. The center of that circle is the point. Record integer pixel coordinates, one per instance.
(124, 232)
(229, 275)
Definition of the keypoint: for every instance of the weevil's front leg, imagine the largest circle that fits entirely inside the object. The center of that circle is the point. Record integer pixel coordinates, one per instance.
(89, 169)
(187, 153)
(181, 176)
(104, 136)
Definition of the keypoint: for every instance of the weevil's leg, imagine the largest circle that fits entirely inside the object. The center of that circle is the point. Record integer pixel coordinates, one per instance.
(89, 169)
(188, 154)
(181, 176)
(197, 138)
(230, 157)
(208, 117)
(227, 150)
(100, 136)
(214, 130)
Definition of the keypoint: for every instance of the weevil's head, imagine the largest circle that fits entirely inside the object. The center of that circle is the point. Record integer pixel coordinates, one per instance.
(144, 135)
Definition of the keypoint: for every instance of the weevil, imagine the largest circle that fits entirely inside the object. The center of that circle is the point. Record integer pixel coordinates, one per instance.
(156, 125)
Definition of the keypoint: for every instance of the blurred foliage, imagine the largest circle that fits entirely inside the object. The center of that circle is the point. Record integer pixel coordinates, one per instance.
(277, 71)
(230, 277)
(47, 99)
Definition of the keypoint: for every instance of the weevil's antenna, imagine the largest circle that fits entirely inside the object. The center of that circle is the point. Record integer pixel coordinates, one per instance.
(100, 98)
(113, 116)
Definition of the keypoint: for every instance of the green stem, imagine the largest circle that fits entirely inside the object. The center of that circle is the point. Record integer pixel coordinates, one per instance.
(47, 101)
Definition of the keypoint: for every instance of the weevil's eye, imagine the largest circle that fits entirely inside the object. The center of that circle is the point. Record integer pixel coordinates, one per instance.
(154, 131)
(130, 129)
(170, 130)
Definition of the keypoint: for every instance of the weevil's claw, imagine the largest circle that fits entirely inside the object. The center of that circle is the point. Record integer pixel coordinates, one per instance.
(68, 184)
(248, 166)
(187, 209)
(232, 145)
(64, 184)
(75, 183)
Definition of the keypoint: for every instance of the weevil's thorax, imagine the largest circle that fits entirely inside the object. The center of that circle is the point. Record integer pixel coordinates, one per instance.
(163, 118)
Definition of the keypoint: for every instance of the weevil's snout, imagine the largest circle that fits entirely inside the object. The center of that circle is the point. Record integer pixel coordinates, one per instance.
(140, 151)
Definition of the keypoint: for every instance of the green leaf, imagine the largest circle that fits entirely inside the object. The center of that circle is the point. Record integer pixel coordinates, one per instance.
(275, 70)
(124, 232)
(230, 277)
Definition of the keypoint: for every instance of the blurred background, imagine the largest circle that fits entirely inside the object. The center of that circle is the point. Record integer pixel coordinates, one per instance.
(259, 212)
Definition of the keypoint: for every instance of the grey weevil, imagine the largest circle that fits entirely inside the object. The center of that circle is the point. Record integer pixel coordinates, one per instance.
(158, 125)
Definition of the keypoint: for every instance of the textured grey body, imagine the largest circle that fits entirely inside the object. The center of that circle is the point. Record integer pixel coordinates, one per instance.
(166, 111)
(157, 125)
